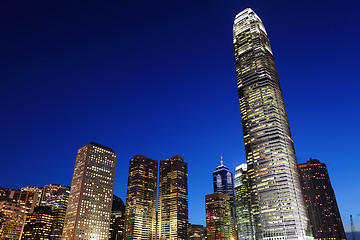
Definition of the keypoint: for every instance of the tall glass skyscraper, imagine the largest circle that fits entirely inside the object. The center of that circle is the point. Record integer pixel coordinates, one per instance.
(173, 199)
(140, 213)
(223, 183)
(270, 154)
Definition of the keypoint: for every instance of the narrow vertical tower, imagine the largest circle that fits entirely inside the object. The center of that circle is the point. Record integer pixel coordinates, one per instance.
(270, 155)
(223, 183)
(140, 212)
(89, 207)
(320, 200)
(173, 199)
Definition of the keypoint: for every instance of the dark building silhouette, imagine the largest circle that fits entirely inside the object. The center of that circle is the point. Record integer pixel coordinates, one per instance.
(140, 213)
(117, 224)
(320, 201)
(173, 199)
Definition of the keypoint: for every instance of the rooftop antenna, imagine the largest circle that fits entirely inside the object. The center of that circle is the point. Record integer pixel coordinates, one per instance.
(352, 228)
(221, 157)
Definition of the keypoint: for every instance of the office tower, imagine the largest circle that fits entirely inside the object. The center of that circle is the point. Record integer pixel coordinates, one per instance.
(140, 213)
(117, 225)
(223, 182)
(196, 232)
(12, 216)
(320, 201)
(56, 197)
(38, 224)
(173, 199)
(29, 197)
(89, 208)
(218, 216)
(270, 154)
(244, 204)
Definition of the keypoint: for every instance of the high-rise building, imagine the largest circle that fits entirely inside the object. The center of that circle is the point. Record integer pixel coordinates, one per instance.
(38, 224)
(218, 216)
(12, 216)
(196, 232)
(244, 204)
(320, 201)
(89, 208)
(29, 197)
(173, 199)
(270, 154)
(140, 213)
(117, 225)
(223, 182)
(56, 197)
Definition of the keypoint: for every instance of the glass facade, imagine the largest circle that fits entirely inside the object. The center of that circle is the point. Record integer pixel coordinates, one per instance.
(272, 166)
(244, 204)
(140, 213)
(89, 207)
(173, 199)
(223, 182)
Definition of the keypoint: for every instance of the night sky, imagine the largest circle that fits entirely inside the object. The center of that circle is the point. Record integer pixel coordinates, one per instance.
(157, 78)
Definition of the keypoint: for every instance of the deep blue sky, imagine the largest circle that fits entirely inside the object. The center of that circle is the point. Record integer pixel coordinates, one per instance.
(157, 78)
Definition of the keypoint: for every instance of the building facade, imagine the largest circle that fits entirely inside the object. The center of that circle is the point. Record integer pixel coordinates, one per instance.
(218, 216)
(244, 204)
(270, 154)
(223, 182)
(140, 213)
(320, 201)
(38, 224)
(89, 208)
(196, 232)
(173, 199)
(117, 225)
(12, 217)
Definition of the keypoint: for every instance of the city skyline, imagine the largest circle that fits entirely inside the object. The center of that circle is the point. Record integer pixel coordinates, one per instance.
(37, 128)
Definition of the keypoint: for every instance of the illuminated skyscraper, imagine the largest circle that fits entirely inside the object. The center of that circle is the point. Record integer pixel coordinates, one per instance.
(173, 199)
(320, 201)
(244, 204)
(140, 212)
(270, 154)
(38, 224)
(218, 216)
(89, 208)
(223, 182)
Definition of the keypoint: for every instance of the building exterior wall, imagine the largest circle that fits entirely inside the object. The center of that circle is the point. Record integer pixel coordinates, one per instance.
(270, 154)
(13, 216)
(140, 213)
(218, 216)
(89, 207)
(173, 199)
(320, 201)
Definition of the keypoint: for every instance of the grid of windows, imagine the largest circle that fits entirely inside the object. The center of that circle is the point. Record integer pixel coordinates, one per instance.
(91, 194)
(272, 166)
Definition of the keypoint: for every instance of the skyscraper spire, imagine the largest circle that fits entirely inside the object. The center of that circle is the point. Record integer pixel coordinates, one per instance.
(221, 160)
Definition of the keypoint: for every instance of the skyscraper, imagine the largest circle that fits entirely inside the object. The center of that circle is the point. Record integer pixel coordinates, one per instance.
(270, 154)
(218, 216)
(320, 201)
(173, 199)
(38, 224)
(89, 207)
(223, 182)
(244, 204)
(140, 212)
